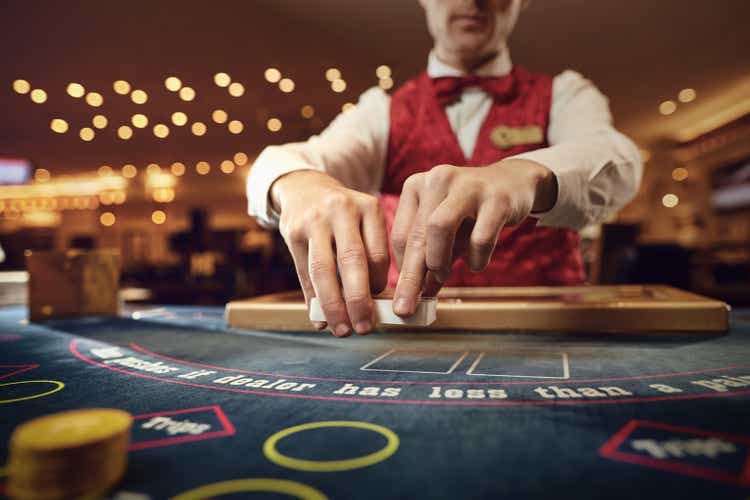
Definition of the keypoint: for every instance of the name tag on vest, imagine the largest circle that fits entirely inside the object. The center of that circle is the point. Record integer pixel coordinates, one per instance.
(505, 137)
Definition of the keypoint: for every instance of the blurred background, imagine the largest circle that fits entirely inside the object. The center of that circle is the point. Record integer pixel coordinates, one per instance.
(133, 125)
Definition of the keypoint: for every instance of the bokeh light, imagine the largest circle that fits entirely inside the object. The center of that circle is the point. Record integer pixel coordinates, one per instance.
(163, 195)
(139, 121)
(177, 169)
(236, 89)
(94, 99)
(680, 174)
(38, 96)
(219, 116)
(100, 121)
(272, 75)
(240, 158)
(236, 127)
(121, 87)
(106, 198)
(670, 200)
(383, 71)
(307, 111)
(338, 85)
(667, 108)
(286, 85)
(202, 167)
(42, 175)
(187, 94)
(107, 219)
(173, 84)
(179, 118)
(59, 125)
(222, 79)
(386, 83)
(139, 96)
(87, 134)
(75, 90)
(129, 171)
(21, 86)
(124, 132)
(119, 197)
(333, 74)
(158, 217)
(227, 166)
(161, 131)
(274, 124)
(687, 95)
(198, 128)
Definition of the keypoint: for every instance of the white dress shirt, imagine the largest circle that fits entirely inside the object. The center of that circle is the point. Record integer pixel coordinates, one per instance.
(598, 169)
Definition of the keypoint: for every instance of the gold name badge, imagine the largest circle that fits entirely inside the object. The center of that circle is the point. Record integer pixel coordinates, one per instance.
(505, 137)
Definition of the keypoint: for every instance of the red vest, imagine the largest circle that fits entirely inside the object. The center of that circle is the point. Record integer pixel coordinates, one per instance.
(421, 137)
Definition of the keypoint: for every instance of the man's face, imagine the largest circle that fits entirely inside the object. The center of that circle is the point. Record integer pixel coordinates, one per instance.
(471, 28)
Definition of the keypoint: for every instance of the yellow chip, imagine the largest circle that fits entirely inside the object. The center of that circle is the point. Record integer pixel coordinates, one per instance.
(68, 454)
(70, 429)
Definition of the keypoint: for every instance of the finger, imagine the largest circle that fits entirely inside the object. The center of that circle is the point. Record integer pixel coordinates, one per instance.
(491, 219)
(375, 239)
(322, 269)
(319, 325)
(463, 235)
(408, 205)
(354, 272)
(441, 232)
(299, 255)
(432, 284)
(413, 267)
(412, 273)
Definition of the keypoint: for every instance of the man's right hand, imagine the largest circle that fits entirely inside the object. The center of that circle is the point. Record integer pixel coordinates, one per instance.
(329, 227)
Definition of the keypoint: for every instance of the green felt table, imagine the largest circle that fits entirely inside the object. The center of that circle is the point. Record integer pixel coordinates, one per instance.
(262, 414)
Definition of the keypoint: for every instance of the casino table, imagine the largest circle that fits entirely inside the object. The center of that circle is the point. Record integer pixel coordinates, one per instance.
(220, 412)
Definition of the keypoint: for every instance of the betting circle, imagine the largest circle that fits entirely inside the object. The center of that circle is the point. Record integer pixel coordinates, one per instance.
(271, 452)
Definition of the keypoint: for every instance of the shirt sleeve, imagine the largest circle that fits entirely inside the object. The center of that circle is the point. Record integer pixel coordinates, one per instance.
(598, 169)
(352, 149)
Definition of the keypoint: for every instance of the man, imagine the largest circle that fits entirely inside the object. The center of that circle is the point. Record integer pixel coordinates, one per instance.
(480, 171)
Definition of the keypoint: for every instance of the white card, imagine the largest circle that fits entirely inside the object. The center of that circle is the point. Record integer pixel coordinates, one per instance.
(425, 315)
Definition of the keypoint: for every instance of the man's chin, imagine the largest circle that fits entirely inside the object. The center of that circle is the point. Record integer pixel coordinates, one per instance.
(469, 45)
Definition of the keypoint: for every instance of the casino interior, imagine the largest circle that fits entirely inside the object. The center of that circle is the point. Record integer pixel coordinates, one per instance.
(133, 126)
(138, 342)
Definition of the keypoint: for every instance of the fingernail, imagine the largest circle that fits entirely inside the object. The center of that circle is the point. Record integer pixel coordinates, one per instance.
(319, 325)
(402, 306)
(363, 326)
(342, 330)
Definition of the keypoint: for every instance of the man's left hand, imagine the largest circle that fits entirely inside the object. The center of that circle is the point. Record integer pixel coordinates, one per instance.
(449, 211)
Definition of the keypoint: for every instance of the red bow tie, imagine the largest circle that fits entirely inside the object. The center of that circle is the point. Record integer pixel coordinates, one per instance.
(448, 88)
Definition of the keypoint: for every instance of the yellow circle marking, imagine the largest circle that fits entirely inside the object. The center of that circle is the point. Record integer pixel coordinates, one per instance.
(272, 454)
(59, 386)
(293, 488)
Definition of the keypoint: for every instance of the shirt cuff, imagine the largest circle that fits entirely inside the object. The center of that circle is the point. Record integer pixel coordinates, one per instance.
(271, 164)
(570, 208)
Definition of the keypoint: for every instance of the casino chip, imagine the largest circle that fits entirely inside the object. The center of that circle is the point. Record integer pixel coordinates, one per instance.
(68, 454)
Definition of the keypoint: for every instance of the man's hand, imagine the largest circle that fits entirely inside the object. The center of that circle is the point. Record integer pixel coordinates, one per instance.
(328, 227)
(449, 210)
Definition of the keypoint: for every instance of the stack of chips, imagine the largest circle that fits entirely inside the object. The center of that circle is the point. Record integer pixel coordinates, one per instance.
(68, 454)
